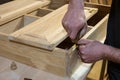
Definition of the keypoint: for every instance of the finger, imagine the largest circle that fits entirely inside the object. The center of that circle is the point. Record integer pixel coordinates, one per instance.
(73, 34)
(84, 41)
(79, 54)
(81, 48)
(67, 29)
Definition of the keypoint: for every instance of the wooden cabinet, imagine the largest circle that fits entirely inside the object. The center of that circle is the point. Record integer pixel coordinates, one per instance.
(37, 38)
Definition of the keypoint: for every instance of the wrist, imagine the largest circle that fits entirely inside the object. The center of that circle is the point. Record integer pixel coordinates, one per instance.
(108, 50)
(76, 4)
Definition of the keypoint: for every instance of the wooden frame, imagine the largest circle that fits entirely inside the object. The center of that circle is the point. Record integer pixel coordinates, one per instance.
(14, 9)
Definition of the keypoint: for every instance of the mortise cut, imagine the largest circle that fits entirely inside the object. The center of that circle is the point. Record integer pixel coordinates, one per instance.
(16, 24)
(67, 43)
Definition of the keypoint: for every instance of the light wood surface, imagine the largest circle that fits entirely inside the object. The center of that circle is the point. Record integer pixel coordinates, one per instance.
(14, 9)
(48, 31)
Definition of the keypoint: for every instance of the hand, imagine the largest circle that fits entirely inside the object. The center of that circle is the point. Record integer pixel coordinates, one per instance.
(74, 22)
(91, 51)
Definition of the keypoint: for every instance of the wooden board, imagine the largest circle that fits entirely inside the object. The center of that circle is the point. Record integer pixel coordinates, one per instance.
(14, 9)
(48, 31)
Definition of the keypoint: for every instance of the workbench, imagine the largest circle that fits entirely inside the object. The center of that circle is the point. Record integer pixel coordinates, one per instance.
(33, 35)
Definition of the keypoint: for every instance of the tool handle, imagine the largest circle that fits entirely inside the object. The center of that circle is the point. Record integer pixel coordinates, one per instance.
(80, 34)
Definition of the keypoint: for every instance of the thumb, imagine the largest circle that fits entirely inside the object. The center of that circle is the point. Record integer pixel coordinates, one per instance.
(84, 41)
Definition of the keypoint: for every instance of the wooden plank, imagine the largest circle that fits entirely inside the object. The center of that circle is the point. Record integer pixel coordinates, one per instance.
(14, 9)
(48, 31)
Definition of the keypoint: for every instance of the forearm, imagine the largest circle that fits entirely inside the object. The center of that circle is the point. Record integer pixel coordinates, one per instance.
(112, 54)
(77, 7)
(76, 4)
(74, 20)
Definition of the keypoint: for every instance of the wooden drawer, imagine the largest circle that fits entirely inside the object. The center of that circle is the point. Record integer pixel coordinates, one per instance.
(42, 42)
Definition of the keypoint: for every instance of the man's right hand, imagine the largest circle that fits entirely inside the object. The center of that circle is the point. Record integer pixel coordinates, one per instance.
(74, 20)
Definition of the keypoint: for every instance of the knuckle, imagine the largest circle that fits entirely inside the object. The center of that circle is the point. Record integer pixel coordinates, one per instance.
(72, 37)
(83, 58)
(82, 51)
(83, 21)
(64, 23)
(86, 61)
